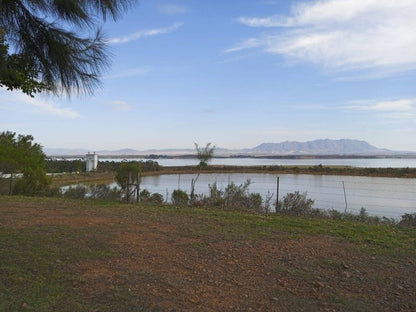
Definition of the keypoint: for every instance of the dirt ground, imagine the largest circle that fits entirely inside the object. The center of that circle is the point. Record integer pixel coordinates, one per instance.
(163, 262)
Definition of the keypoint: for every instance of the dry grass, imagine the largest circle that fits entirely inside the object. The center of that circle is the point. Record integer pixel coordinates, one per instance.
(67, 255)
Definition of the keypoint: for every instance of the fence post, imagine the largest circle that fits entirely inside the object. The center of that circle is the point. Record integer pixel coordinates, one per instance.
(345, 197)
(138, 188)
(277, 194)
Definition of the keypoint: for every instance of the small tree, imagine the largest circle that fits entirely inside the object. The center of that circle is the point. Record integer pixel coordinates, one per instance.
(128, 175)
(204, 154)
(20, 155)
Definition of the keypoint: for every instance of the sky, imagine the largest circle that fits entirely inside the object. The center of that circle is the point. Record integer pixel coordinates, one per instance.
(237, 74)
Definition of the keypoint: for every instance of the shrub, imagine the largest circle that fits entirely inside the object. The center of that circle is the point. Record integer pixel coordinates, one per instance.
(334, 214)
(33, 182)
(180, 198)
(297, 204)
(54, 192)
(216, 197)
(267, 203)
(254, 202)
(234, 197)
(363, 216)
(77, 192)
(408, 219)
(102, 191)
(144, 195)
(156, 198)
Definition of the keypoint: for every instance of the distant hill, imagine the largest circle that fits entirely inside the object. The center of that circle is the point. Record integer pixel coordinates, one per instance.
(316, 147)
(320, 147)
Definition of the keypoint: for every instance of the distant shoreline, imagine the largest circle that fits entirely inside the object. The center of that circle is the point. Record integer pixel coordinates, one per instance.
(190, 156)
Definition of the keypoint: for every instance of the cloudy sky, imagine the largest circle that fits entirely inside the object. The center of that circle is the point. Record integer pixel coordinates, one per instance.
(239, 73)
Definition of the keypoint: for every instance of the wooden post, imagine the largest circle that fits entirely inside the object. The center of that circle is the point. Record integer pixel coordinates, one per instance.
(138, 189)
(192, 189)
(345, 197)
(277, 194)
(179, 182)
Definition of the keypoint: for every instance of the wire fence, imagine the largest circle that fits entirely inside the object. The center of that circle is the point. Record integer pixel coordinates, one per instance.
(389, 197)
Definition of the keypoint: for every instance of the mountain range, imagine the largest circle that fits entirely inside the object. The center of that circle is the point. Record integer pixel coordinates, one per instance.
(316, 147)
(320, 147)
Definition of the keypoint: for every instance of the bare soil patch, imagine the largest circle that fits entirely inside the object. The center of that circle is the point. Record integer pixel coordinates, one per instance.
(158, 263)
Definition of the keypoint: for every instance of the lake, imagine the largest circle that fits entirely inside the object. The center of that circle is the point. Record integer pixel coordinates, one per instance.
(390, 197)
(368, 162)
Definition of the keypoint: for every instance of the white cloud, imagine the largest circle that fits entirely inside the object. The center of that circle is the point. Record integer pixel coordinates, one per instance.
(401, 106)
(131, 72)
(144, 33)
(11, 99)
(121, 105)
(397, 111)
(172, 9)
(341, 35)
(246, 44)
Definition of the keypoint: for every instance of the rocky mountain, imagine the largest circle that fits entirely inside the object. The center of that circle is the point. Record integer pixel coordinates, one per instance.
(319, 147)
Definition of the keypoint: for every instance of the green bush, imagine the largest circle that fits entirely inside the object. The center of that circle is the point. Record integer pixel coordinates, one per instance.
(297, 204)
(144, 195)
(216, 197)
(362, 216)
(233, 197)
(180, 198)
(33, 182)
(156, 198)
(408, 219)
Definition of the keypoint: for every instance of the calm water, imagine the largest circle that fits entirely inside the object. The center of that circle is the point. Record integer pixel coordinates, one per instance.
(390, 197)
(369, 163)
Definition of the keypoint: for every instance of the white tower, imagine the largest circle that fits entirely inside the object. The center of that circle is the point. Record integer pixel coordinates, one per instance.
(91, 162)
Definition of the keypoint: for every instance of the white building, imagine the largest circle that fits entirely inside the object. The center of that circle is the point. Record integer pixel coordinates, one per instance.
(91, 162)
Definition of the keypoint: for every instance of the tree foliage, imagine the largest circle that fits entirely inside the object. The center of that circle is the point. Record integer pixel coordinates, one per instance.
(47, 54)
(179, 198)
(18, 154)
(16, 72)
(128, 172)
(297, 204)
(204, 154)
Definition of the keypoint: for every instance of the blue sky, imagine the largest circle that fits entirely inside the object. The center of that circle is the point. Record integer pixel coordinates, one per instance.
(239, 73)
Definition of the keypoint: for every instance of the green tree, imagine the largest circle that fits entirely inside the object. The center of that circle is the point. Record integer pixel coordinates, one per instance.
(128, 177)
(204, 154)
(20, 155)
(47, 53)
(16, 72)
